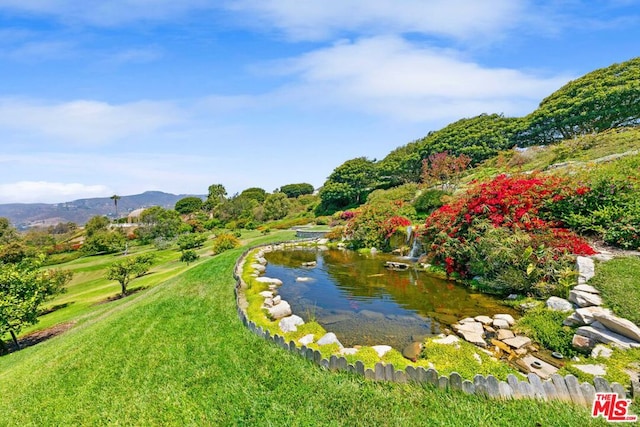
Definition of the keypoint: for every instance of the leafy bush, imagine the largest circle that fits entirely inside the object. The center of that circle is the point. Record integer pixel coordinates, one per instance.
(545, 327)
(225, 242)
(429, 200)
(605, 203)
(104, 242)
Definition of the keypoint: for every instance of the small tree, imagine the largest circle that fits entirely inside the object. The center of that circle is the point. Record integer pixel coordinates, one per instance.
(24, 286)
(444, 169)
(123, 270)
(189, 256)
(191, 241)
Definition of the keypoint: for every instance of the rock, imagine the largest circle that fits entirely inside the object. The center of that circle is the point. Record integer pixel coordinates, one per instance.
(507, 317)
(304, 279)
(500, 324)
(269, 280)
(289, 324)
(473, 338)
(261, 260)
(586, 315)
(474, 327)
(600, 334)
(306, 340)
(517, 342)
(477, 357)
(348, 351)
(381, 349)
(512, 297)
(528, 306)
(309, 264)
(586, 288)
(268, 303)
(488, 329)
(582, 343)
(329, 338)
(266, 294)
(276, 300)
(279, 311)
(601, 351)
(468, 320)
(504, 334)
(602, 257)
(485, 320)
(559, 304)
(448, 340)
(258, 267)
(584, 299)
(539, 367)
(595, 370)
(586, 269)
(412, 351)
(619, 325)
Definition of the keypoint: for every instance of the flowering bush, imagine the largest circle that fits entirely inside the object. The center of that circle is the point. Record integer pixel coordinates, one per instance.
(500, 230)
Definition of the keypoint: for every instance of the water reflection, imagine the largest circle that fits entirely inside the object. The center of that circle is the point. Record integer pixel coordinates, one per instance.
(364, 303)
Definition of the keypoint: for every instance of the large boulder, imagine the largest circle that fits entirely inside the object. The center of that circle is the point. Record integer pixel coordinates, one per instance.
(584, 316)
(290, 323)
(509, 318)
(586, 269)
(473, 338)
(583, 343)
(283, 309)
(559, 304)
(619, 325)
(381, 349)
(471, 327)
(329, 338)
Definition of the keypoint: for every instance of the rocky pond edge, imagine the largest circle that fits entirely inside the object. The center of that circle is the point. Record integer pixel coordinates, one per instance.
(556, 388)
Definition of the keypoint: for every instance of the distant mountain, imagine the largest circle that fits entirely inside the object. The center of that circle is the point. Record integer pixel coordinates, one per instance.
(25, 215)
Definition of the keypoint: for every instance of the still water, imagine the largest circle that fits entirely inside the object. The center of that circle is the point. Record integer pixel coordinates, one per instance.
(363, 303)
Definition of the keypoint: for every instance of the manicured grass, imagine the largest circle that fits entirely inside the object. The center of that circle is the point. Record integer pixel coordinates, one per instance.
(177, 354)
(619, 284)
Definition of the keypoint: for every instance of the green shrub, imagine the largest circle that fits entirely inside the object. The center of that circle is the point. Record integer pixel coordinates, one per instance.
(189, 256)
(429, 200)
(225, 242)
(545, 327)
(191, 241)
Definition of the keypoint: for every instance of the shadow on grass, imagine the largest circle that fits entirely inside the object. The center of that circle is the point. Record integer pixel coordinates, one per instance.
(35, 338)
(120, 296)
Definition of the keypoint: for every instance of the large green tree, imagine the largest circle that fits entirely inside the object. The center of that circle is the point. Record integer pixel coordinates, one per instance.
(254, 193)
(7, 232)
(215, 196)
(349, 183)
(24, 287)
(157, 222)
(188, 205)
(276, 206)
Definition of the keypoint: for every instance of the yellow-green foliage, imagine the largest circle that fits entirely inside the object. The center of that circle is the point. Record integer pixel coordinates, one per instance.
(460, 358)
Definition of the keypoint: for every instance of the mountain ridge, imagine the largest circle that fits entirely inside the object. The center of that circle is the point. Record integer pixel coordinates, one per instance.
(26, 215)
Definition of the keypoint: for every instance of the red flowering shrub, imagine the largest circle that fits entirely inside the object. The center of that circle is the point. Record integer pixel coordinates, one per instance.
(463, 236)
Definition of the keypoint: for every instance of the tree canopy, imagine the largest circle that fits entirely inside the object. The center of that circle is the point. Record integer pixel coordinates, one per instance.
(602, 99)
(296, 190)
(349, 183)
(188, 205)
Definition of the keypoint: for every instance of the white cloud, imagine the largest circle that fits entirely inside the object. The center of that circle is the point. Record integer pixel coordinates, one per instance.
(48, 192)
(316, 20)
(85, 121)
(393, 77)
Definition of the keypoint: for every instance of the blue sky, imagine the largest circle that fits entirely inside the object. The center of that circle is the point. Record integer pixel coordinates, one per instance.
(122, 96)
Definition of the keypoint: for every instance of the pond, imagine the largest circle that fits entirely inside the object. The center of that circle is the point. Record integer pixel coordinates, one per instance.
(364, 303)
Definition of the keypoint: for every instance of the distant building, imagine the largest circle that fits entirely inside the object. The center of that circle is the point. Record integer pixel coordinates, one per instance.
(134, 216)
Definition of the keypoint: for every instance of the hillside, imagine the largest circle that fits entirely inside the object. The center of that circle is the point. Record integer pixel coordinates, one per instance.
(24, 215)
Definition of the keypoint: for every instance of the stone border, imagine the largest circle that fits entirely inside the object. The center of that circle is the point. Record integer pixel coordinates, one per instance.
(566, 389)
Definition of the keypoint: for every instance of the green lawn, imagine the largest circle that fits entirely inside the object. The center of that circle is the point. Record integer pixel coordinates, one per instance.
(176, 354)
(619, 283)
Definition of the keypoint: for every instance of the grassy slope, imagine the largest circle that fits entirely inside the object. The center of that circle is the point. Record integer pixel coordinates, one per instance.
(618, 281)
(176, 354)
